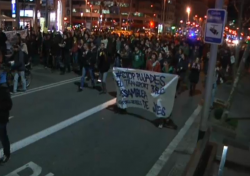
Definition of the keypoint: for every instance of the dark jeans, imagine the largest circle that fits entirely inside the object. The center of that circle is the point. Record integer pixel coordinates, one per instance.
(4, 139)
(192, 88)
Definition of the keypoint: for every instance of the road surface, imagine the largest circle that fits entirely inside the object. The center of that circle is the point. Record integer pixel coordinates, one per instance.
(59, 131)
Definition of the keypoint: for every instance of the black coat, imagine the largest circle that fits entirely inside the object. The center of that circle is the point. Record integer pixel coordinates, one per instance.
(5, 105)
(195, 73)
(103, 61)
(87, 60)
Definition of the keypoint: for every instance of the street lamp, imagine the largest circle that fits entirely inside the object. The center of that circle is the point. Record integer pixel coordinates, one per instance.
(188, 12)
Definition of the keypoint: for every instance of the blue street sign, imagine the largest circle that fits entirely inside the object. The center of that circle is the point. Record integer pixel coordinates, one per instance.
(216, 19)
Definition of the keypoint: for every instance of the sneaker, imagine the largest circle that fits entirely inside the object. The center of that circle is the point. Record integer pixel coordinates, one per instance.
(80, 89)
(160, 126)
(5, 159)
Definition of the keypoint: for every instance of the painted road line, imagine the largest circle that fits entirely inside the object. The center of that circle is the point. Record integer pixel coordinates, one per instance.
(160, 163)
(53, 129)
(49, 86)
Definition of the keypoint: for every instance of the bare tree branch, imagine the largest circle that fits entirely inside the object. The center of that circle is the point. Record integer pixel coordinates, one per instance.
(235, 6)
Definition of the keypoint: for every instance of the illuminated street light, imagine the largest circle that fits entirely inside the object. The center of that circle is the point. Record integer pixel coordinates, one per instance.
(188, 12)
(152, 5)
(181, 21)
(81, 14)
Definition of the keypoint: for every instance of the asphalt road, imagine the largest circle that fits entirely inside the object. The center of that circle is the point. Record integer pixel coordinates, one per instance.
(103, 144)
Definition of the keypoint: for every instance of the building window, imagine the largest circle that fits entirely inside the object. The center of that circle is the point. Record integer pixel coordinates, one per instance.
(87, 10)
(105, 11)
(123, 4)
(138, 14)
(124, 14)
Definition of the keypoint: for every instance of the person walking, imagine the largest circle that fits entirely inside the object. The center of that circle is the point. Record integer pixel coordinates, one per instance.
(194, 76)
(88, 66)
(5, 107)
(104, 65)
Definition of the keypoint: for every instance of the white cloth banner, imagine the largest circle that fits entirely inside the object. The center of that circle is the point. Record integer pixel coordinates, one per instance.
(11, 35)
(152, 91)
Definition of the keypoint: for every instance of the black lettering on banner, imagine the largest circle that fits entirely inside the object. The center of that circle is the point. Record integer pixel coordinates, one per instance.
(125, 75)
(145, 104)
(136, 84)
(119, 83)
(152, 79)
(157, 90)
(134, 92)
(159, 110)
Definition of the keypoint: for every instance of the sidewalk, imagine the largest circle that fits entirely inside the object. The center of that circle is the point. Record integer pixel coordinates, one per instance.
(238, 152)
(240, 108)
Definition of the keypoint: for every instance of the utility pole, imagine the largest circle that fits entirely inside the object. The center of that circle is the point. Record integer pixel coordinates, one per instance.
(17, 14)
(237, 52)
(164, 14)
(209, 83)
(47, 14)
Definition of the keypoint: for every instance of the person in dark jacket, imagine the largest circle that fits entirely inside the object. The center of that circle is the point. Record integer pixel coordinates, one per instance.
(66, 49)
(19, 68)
(104, 65)
(194, 76)
(46, 50)
(3, 39)
(5, 107)
(88, 63)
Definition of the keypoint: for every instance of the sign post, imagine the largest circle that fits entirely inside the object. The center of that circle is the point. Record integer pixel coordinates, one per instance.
(214, 30)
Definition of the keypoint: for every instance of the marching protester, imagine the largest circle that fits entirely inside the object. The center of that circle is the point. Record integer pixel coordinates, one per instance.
(138, 59)
(103, 65)
(5, 107)
(194, 76)
(88, 63)
(153, 64)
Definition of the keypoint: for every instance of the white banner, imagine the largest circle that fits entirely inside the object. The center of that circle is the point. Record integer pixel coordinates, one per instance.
(11, 35)
(152, 91)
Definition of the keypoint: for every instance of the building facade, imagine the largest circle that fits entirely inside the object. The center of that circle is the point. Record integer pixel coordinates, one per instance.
(120, 13)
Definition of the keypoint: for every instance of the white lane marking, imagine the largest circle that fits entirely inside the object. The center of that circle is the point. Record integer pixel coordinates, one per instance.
(49, 86)
(160, 163)
(11, 117)
(36, 170)
(53, 129)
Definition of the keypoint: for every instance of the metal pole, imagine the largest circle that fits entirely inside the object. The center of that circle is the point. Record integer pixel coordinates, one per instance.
(70, 18)
(209, 83)
(237, 52)
(164, 14)
(17, 14)
(46, 15)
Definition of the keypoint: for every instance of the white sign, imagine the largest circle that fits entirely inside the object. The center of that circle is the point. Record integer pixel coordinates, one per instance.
(152, 91)
(11, 35)
(216, 19)
(36, 170)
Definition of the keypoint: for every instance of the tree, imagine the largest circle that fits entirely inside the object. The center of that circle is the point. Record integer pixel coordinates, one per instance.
(245, 13)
